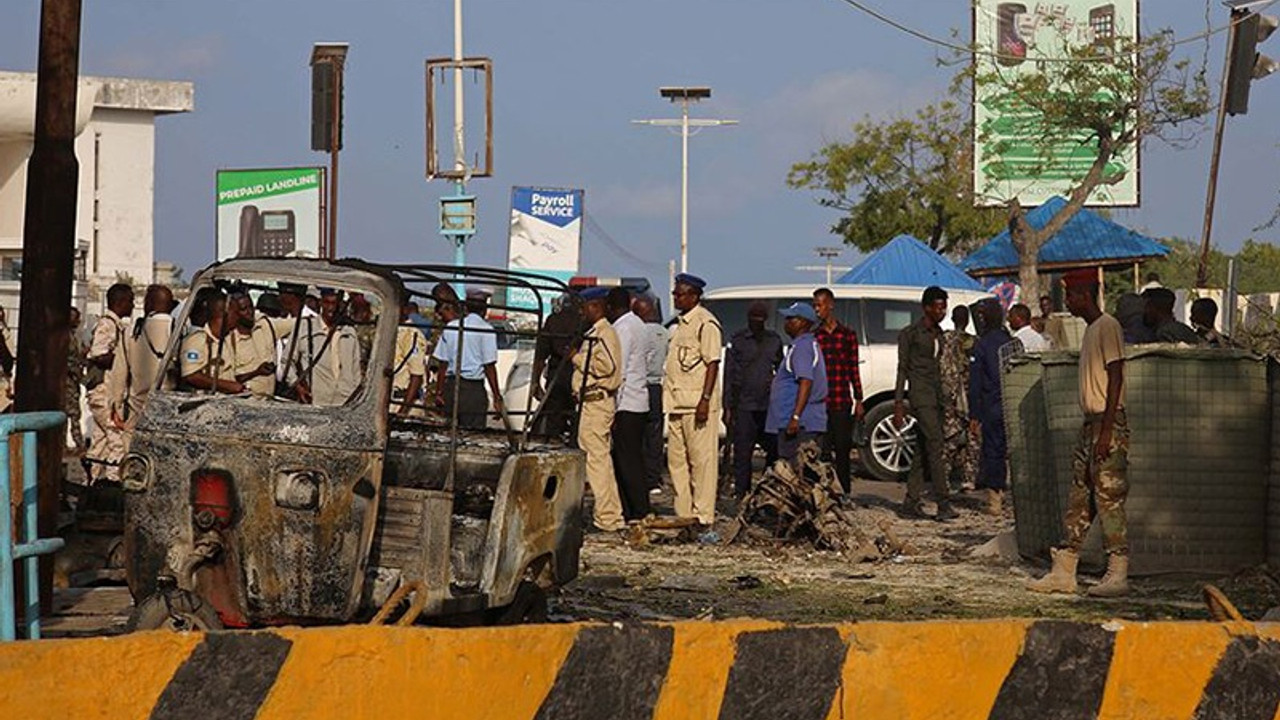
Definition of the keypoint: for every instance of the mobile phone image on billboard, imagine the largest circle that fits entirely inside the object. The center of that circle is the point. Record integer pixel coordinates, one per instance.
(1010, 46)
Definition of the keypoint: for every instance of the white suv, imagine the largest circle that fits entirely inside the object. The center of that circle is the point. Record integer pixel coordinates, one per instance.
(876, 313)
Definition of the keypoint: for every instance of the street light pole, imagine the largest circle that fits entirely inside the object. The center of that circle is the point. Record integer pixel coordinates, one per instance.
(459, 135)
(684, 96)
(684, 185)
(828, 254)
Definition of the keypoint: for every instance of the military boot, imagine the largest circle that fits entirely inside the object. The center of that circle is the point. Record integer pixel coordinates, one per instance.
(1062, 578)
(995, 502)
(1116, 582)
(945, 512)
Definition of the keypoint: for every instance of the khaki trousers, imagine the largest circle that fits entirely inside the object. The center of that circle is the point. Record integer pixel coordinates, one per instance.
(595, 438)
(109, 444)
(693, 463)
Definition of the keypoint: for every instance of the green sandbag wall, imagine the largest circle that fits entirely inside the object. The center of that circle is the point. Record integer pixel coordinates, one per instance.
(1199, 462)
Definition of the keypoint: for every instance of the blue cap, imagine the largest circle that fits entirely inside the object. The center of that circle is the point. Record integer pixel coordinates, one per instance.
(691, 280)
(800, 310)
(593, 293)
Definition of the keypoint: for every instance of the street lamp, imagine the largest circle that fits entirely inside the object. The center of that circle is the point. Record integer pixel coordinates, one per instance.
(685, 96)
(828, 255)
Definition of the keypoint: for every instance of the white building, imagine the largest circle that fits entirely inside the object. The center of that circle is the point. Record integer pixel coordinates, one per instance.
(115, 145)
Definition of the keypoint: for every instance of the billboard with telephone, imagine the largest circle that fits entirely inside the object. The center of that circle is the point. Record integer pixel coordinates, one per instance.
(269, 212)
(545, 235)
(1015, 38)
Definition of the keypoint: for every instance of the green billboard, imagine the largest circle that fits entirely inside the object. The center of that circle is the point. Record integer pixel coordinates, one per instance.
(269, 212)
(1010, 156)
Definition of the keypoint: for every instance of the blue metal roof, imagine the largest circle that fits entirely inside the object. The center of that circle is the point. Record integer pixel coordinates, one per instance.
(907, 261)
(1087, 240)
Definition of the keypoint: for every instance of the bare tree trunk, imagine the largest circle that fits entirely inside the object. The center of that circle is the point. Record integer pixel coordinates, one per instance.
(1028, 241)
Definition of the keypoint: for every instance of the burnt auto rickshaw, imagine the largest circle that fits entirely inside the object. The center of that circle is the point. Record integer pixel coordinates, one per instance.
(248, 509)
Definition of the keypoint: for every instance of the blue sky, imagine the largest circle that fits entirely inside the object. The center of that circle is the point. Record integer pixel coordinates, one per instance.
(569, 76)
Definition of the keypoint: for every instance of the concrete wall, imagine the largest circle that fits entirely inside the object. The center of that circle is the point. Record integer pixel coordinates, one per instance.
(124, 165)
(116, 151)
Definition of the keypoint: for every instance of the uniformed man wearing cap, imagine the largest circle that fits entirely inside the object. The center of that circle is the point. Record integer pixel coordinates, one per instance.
(1100, 484)
(597, 375)
(691, 400)
(289, 365)
(467, 353)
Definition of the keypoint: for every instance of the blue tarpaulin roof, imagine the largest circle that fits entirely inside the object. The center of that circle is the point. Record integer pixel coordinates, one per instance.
(1087, 240)
(907, 261)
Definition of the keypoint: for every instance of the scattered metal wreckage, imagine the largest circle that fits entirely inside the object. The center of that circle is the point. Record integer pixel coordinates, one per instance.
(809, 506)
(246, 510)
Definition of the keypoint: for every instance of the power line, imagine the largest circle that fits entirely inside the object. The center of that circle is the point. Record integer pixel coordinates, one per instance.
(617, 247)
(920, 35)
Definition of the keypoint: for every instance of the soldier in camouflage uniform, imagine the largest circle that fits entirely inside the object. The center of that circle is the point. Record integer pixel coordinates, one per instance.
(958, 446)
(1099, 482)
(77, 362)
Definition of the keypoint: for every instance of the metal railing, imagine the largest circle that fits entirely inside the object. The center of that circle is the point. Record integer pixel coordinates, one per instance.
(26, 425)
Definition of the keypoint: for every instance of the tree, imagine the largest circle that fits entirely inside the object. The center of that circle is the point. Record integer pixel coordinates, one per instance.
(1111, 98)
(910, 175)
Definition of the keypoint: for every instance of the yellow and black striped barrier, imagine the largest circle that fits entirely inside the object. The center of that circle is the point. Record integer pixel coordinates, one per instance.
(998, 670)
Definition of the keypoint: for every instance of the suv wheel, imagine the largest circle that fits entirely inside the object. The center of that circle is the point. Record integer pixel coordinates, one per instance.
(888, 450)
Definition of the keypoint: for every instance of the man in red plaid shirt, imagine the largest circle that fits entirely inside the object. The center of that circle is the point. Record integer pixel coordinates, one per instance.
(840, 352)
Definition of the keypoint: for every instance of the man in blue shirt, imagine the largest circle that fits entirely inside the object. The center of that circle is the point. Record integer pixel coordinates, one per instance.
(986, 410)
(749, 363)
(798, 398)
(479, 357)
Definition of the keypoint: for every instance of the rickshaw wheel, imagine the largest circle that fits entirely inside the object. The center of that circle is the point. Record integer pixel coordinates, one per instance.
(179, 611)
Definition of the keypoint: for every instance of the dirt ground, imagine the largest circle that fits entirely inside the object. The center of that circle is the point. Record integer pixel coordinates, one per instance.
(948, 570)
(943, 574)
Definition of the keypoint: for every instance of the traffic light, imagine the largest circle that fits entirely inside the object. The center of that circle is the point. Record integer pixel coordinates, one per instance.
(1246, 64)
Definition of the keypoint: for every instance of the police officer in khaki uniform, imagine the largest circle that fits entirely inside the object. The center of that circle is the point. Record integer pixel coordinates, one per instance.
(147, 343)
(691, 400)
(328, 353)
(208, 357)
(109, 400)
(597, 375)
(410, 363)
(253, 346)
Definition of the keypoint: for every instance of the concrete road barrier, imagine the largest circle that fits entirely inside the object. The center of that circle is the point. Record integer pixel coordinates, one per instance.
(744, 669)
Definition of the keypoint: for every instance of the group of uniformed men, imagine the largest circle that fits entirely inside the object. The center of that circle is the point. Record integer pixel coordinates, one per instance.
(630, 374)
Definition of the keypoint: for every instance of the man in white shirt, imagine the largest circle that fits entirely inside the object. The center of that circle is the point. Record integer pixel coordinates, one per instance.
(326, 354)
(633, 405)
(479, 361)
(289, 368)
(1020, 322)
(655, 454)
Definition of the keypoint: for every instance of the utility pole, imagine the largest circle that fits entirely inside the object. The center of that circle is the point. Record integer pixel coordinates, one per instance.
(1211, 194)
(685, 96)
(327, 63)
(1243, 65)
(48, 253)
(460, 164)
(458, 211)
